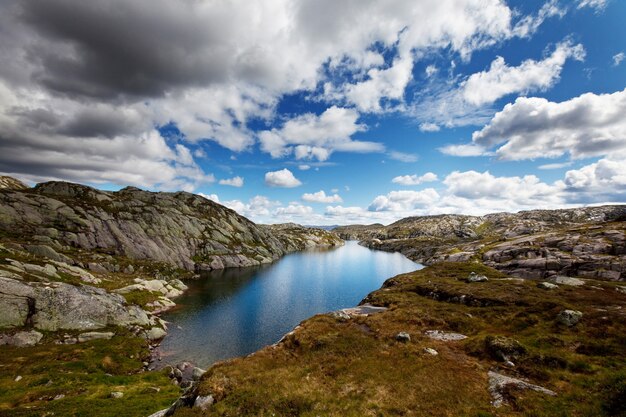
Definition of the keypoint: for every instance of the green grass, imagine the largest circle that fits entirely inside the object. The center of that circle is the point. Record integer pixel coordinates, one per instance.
(84, 374)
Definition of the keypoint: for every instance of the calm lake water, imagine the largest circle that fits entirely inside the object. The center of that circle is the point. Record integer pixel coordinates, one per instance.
(237, 311)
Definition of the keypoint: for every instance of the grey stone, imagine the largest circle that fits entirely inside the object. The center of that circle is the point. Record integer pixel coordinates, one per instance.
(499, 383)
(155, 333)
(547, 286)
(473, 277)
(203, 402)
(431, 351)
(444, 336)
(569, 317)
(86, 337)
(575, 282)
(117, 394)
(197, 373)
(21, 339)
(58, 305)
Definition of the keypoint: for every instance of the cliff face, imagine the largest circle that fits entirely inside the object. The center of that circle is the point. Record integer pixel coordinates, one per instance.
(180, 229)
(588, 242)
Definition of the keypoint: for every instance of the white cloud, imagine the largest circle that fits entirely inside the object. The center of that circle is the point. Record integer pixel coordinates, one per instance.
(529, 24)
(429, 127)
(304, 167)
(321, 197)
(405, 200)
(233, 182)
(558, 165)
(463, 150)
(283, 178)
(431, 70)
(462, 101)
(386, 83)
(500, 80)
(212, 197)
(309, 136)
(415, 179)
(585, 126)
(595, 4)
(402, 156)
(618, 58)
(293, 210)
(258, 208)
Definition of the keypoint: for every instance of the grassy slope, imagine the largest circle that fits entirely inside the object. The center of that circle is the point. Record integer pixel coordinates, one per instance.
(330, 367)
(84, 374)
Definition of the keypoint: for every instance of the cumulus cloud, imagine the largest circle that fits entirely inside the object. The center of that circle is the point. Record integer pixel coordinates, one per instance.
(405, 200)
(212, 197)
(415, 179)
(233, 182)
(585, 126)
(618, 58)
(257, 208)
(310, 136)
(293, 210)
(461, 101)
(321, 197)
(500, 80)
(283, 178)
(429, 127)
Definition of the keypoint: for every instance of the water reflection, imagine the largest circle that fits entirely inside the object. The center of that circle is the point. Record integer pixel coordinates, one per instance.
(237, 311)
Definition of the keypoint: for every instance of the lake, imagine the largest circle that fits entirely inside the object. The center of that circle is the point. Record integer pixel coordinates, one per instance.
(237, 311)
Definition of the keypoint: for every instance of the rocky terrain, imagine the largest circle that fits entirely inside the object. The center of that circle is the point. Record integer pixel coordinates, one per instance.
(80, 266)
(453, 339)
(584, 242)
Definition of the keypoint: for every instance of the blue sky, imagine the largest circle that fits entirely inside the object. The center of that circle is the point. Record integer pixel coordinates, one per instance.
(322, 112)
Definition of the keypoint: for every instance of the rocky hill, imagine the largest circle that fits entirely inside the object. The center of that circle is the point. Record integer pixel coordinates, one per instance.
(180, 229)
(586, 242)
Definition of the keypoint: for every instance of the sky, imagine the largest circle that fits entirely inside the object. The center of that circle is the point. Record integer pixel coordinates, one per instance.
(321, 112)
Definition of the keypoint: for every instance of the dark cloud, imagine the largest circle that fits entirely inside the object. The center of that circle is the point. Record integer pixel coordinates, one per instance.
(114, 48)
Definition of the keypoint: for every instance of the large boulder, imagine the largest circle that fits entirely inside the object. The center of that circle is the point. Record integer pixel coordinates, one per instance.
(56, 306)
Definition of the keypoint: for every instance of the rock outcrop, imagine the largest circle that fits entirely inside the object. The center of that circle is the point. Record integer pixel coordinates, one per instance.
(586, 242)
(180, 229)
(59, 306)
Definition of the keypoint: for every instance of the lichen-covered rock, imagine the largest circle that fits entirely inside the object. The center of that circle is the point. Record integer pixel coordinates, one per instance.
(504, 348)
(55, 306)
(21, 339)
(498, 385)
(569, 317)
(547, 286)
